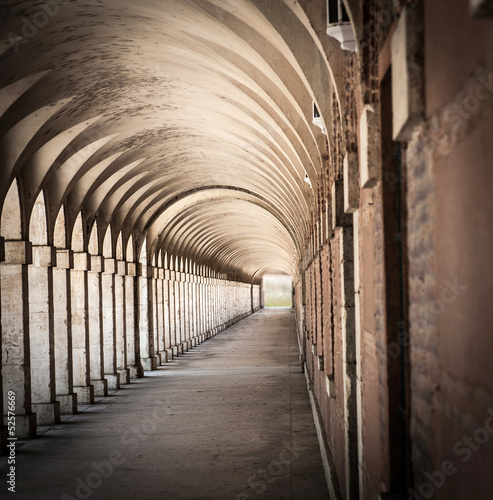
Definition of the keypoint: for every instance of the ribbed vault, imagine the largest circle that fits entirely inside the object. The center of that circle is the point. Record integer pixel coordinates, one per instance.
(184, 122)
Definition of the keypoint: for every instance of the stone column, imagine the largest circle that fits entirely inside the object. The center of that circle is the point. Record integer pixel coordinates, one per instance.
(172, 313)
(186, 311)
(95, 319)
(120, 323)
(193, 309)
(215, 305)
(80, 328)
(208, 312)
(132, 337)
(16, 374)
(42, 339)
(109, 334)
(62, 330)
(349, 358)
(178, 308)
(200, 305)
(166, 317)
(147, 358)
(160, 314)
(3, 428)
(154, 312)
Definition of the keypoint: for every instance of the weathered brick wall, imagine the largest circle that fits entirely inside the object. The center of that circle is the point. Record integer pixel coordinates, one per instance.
(446, 273)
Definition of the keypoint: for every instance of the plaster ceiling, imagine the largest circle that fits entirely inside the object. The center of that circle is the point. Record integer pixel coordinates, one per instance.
(186, 122)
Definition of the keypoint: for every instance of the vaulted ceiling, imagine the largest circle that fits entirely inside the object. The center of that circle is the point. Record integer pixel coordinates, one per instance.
(186, 122)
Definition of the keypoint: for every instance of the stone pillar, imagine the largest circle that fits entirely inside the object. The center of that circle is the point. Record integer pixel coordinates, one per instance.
(166, 317)
(80, 328)
(3, 428)
(201, 305)
(62, 332)
(95, 319)
(208, 312)
(109, 334)
(154, 312)
(215, 306)
(120, 323)
(160, 314)
(194, 307)
(132, 337)
(147, 357)
(172, 313)
(16, 375)
(178, 307)
(186, 311)
(41, 331)
(349, 359)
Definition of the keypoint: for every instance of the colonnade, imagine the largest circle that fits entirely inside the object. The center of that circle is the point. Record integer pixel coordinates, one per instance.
(79, 322)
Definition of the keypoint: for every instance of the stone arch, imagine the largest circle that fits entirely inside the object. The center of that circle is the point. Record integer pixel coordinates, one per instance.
(119, 247)
(129, 254)
(78, 244)
(38, 231)
(93, 246)
(60, 231)
(107, 249)
(11, 221)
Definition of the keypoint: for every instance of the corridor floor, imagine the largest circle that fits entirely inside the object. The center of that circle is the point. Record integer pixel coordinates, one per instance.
(230, 419)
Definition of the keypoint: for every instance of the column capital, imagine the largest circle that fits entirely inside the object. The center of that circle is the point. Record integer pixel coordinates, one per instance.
(131, 269)
(17, 252)
(82, 261)
(109, 266)
(121, 267)
(97, 264)
(43, 256)
(145, 271)
(64, 258)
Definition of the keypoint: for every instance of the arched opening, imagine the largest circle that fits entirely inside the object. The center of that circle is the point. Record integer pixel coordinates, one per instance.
(41, 324)
(277, 290)
(15, 361)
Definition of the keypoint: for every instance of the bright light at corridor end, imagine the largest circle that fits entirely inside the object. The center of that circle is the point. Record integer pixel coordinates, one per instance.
(277, 290)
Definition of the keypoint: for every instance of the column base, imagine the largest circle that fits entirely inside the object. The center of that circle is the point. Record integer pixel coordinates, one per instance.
(85, 394)
(124, 375)
(25, 426)
(169, 355)
(113, 380)
(134, 371)
(47, 413)
(158, 358)
(148, 364)
(100, 387)
(175, 351)
(68, 404)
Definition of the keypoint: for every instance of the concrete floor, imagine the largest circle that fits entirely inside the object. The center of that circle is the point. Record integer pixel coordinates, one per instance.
(230, 419)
